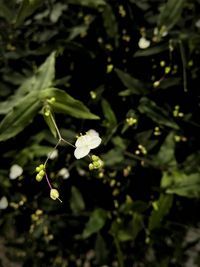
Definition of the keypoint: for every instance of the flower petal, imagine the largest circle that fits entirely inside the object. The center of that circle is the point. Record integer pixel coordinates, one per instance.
(95, 141)
(83, 140)
(92, 132)
(15, 171)
(3, 203)
(81, 152)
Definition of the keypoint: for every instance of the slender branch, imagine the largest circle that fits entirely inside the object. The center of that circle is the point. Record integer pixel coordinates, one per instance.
(49, 184)
(56, 127)
(183, 58)
(49, 156)
(119, 253)
(66, 142)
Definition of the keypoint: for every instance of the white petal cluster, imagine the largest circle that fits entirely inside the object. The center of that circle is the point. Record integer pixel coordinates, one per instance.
(143, 43)
(15, 171)
(85, 143)
(64, 173)
(3, 203)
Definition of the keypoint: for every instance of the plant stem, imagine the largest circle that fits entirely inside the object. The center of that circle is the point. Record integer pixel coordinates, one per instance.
(119, 253)
(49, 184)
(183, 58)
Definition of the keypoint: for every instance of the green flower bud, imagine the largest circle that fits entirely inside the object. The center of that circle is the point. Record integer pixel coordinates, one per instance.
(39, 177)
(41, 166)
(41, 173)
(37, 169)
(91, 166)
(95, 158)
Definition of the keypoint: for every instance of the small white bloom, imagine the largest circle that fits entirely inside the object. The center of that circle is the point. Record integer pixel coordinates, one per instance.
(3, 203)
(53, 154)
(85, 143)
(15, 171)
(64, 173)
(54, 194)
(143, 43)
(197, 23)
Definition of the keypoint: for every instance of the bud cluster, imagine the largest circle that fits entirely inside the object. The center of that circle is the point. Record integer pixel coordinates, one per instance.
(41, 172)
(96, 163)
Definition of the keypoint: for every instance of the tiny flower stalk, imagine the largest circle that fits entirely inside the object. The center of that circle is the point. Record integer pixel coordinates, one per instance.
(54, 194)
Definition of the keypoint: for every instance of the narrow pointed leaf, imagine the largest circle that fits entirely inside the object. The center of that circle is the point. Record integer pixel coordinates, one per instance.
(19, 117)
(66, 104)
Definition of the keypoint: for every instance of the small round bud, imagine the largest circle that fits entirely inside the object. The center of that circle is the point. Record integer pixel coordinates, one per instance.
(156, 84)
(167, 70)
(93, 94)
(54, 194)
(162, 63)
(41, 167)
(41, 173)
(91, 166)
(95, 158)
(37, 169)
(39, 177)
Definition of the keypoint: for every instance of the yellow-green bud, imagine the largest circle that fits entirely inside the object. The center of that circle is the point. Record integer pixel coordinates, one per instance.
(93, 94)
(95, 158)
(41, 166)
(39, 177)
(167, 70)
(41, 173)
(156, 84)
(54, 194)
(162, 63)
(91, 166)
(37, 169)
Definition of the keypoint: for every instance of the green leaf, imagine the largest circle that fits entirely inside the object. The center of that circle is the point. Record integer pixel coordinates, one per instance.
(66, 104)
(134, 85)
(42, 79)
(50, 122)
(169, 82)
(20, 116)
(166, 154)
(110, 23)
(96, 222)
(156, 113)
(101, 250)
(113, 157)
(161, 209)
(27, 8)
(170, 14)
(152, 50)
(181, 184)
(127, 231)
(6, 12)
(108, 113)
(77, 203)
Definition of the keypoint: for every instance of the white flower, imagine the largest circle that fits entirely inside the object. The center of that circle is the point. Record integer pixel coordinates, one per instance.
(54, 194)
(143, 43)
(53, 154)
(85, 143)
(197, 23)
(15, 171)
(3, 203)
(64, 173)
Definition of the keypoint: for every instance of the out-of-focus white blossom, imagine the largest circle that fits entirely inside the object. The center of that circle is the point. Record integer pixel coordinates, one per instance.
(3, 203)
(15, 171)
(143, 43)
(53, 154)
(85, 143)
(64, 173)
